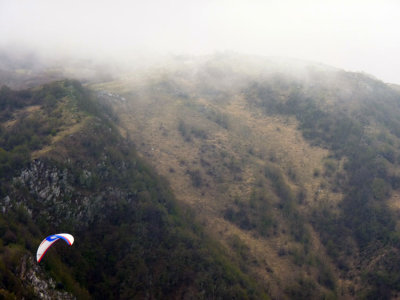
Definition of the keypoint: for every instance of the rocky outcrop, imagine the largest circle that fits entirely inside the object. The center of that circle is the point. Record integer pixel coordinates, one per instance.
(47, 183)
(61, 195)
(43, 286)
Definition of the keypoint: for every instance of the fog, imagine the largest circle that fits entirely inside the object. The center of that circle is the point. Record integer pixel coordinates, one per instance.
(353, 35)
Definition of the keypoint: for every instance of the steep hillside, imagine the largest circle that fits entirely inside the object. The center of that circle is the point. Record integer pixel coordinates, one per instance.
(210, 177)
(65, 168)
(292, 166)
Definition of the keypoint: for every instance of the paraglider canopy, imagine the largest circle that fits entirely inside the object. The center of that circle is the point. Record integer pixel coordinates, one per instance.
(49, 241)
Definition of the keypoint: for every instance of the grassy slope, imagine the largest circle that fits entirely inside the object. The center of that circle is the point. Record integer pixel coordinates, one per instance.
(214, 154)
(274, 163)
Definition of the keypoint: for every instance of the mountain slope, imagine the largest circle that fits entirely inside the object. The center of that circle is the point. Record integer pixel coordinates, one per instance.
(292, 167)
(132, 239)
(296, 163)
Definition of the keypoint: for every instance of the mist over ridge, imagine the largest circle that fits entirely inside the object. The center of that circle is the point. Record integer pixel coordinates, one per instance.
(352, 35)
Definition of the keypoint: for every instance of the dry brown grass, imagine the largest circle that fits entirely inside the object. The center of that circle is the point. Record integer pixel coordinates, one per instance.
(394, 201)
(68, 130)
(152, 123)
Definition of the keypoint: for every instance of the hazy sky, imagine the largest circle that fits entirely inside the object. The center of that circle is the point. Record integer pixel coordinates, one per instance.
(354, 35)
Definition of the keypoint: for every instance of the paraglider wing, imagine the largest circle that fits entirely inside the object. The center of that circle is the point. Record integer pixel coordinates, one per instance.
(49, 241)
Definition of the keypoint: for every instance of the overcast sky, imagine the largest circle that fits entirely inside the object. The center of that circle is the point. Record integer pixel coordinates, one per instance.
(354, 35)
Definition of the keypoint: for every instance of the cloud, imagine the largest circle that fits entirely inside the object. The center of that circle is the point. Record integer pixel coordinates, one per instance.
(355, 35)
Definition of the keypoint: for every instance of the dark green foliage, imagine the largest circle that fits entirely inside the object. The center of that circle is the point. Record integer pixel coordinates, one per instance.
(218, 117)
(148, 253)
(384, 278)
(365, 216)
(188, 131)
(196, 178)
(282, 190)
(240, 247)
(325, 276)
(303, 289)
(11, 100)
(288, 204)
(253, 215)
(185, 131)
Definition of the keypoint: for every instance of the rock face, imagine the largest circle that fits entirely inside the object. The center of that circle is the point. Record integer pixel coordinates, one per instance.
(62, 195)
(33, 276)
(48, 186)
(47, 189)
